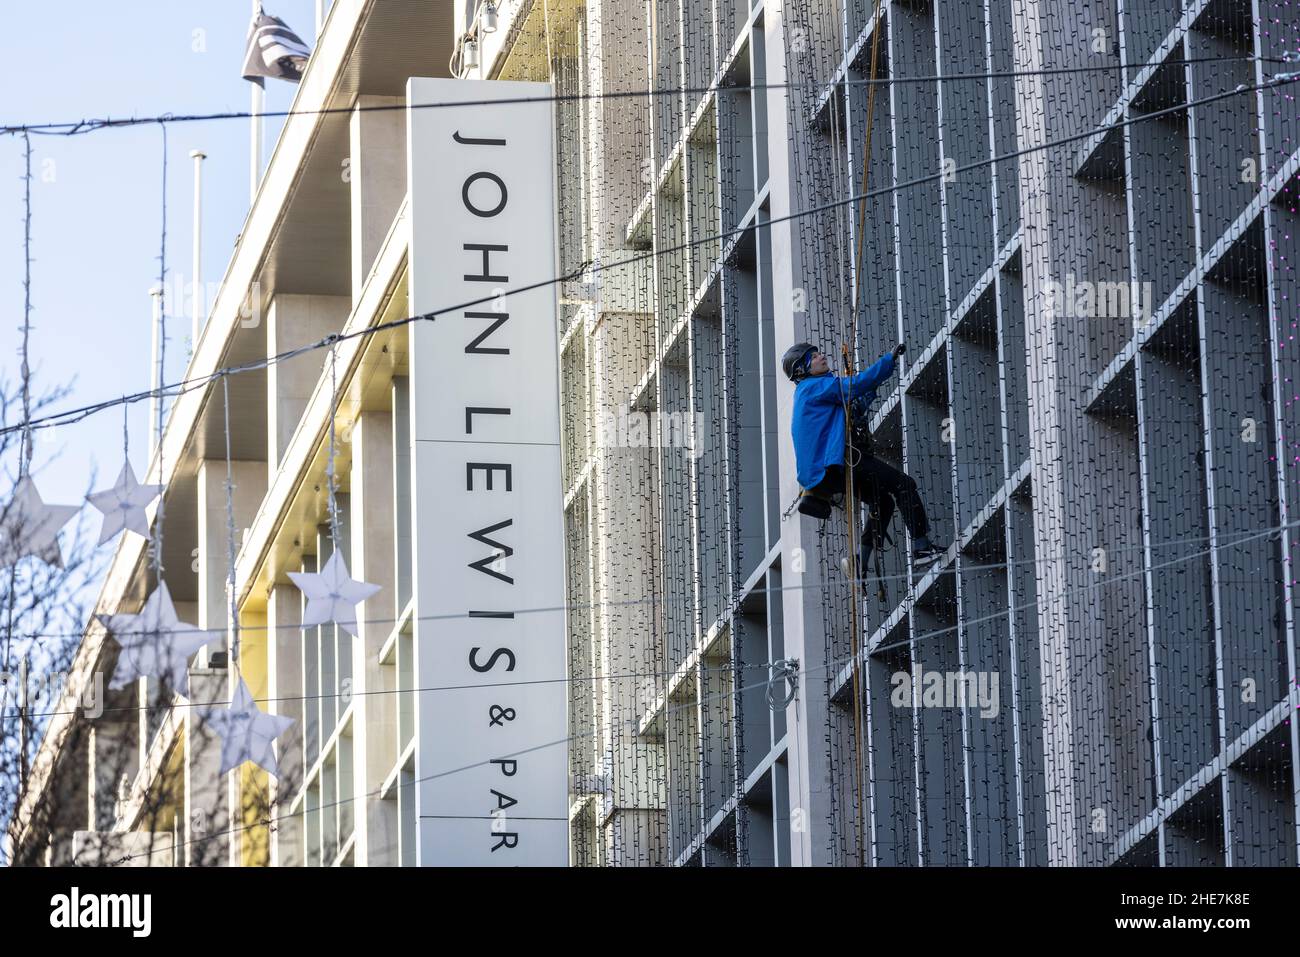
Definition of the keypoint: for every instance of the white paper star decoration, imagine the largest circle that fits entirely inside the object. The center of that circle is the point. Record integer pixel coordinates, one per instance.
(30, 527)
(332, 595)
(123, 505)
(155, 643)
(247, 733)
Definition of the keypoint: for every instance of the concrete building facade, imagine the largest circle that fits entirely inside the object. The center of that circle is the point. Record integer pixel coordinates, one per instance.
(1077, 217)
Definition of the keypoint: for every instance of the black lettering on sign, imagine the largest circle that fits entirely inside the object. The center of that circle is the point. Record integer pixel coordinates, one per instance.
(492, 661)
(502, 194)
(470, 141)
(504, 801)
(504, 551)
(488, 468)
(499, 321)
(492, 614)
(486, 274)
(473, 410)
(508, 766)
(507, 839)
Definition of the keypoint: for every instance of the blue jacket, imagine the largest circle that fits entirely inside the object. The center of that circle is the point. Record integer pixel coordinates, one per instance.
(817, 422)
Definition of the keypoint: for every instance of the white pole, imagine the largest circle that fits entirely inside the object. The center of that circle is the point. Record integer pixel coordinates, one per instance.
(255, 135)
(198, 300)
(255, 138)
(320, 17)
(155, 376)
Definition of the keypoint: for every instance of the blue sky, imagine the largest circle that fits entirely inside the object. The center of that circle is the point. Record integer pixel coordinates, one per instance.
(97, 198)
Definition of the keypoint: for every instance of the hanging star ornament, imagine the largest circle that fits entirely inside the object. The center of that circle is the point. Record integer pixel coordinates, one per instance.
(155, 643)
(123, 505)
(332, 595)
(247, 733)
(30, 527)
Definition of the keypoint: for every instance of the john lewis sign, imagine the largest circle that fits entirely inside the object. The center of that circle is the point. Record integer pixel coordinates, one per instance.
(491, 760)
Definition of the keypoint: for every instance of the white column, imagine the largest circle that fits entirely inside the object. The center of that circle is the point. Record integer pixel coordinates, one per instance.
(284, 687)
(294, 321)
(214, 558)
(112, 753)
(373, 559)
(633, 768)
(1064, 223)
(377, 172)
(808, 717)
(205, 828)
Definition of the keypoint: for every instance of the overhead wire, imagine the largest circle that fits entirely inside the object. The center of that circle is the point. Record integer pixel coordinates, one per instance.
(83, 126)
(181, 387)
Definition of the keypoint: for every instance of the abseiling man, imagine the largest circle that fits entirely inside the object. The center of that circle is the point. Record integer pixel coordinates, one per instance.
(817, 425)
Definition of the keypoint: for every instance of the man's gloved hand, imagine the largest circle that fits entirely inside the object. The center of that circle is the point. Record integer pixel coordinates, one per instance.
(899, 350)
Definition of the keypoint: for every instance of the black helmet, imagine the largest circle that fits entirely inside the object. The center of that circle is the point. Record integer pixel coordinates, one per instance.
(793, 362)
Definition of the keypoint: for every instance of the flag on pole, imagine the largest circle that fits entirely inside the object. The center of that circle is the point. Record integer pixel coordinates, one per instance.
(273, 50)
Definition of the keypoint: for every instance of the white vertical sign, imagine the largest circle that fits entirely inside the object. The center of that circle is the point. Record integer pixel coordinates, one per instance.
(491, 759)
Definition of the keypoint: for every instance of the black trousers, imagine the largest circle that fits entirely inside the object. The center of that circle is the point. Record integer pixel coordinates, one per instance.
(880, 487)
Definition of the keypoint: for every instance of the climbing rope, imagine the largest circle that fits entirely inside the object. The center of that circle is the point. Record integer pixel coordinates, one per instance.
(850, 499)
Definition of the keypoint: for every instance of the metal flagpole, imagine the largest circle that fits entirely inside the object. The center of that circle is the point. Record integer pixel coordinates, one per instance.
(255, 134)
(155, 360)
(255, 139)
(198, 299)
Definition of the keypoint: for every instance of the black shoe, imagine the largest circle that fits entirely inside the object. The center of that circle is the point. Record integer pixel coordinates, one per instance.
(927, 553)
